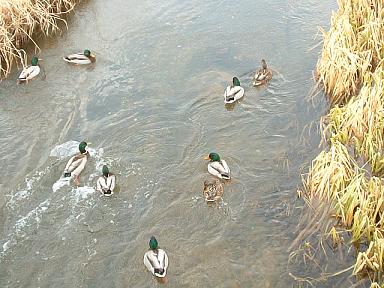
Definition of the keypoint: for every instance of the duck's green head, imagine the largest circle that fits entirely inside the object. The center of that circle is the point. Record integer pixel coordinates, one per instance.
(236, 81)
(263, 64)
(87, 53)
(82, 146)
(105, 171)
(153, 243)
(213, 157)
(34, 61)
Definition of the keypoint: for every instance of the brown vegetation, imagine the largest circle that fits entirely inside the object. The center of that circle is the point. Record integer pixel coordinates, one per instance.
(349, 173)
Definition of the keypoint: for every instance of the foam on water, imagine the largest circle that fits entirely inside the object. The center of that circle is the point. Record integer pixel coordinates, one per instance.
(23, 194)
(83, 192)
(70, 148)
(19, 230)
(78, 199)
(66, 149)
(60, 183)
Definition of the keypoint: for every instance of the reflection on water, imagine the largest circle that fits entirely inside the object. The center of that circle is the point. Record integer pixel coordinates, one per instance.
(153, 107)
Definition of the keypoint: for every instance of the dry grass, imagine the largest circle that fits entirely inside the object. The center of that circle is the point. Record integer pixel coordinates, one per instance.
(360, 122)
(349, 174)
(352, 48)
(20, 19)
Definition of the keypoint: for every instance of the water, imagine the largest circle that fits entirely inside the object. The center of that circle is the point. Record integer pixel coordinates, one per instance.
(152, 107)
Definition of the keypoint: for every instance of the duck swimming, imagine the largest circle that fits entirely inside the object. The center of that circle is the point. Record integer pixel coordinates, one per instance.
(213, 190)
(233, 92)
(106, 183)
(81, 58)
(30, 71)
(218, 167)
(263, 75)
(155, 259)
(77, 163)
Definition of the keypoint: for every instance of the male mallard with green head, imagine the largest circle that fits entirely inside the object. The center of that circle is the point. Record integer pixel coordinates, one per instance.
(155, 259)
(81, 58)
(77, 163)
(106, 182)
(233, 92)
(263, 75)
(213, 190)
(30, 71)
(217, 166)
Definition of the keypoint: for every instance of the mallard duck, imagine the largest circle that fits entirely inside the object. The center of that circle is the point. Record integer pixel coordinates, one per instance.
(213, 190)
(81, 58)
(233, 92)
(263, 75)
(217, 166)
(30, 71)
(106, 182)
(77, 163)
(155, 259)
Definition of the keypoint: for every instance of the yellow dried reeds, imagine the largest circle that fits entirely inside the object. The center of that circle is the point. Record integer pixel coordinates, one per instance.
(352, 47)
(361, 122)
(20, 19)
(350, 173)
(330, 173)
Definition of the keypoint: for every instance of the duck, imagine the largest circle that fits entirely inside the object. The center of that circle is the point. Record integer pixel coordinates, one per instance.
(106, 182)
(155, 259)
(217, 166)
(233, 92)
(30, 71)
(213, 190)
(263, 75)
(81, 58)
(76, 164)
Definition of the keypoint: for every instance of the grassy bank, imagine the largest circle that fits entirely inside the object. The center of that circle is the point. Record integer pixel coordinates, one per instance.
(20, 20)
(349, 172)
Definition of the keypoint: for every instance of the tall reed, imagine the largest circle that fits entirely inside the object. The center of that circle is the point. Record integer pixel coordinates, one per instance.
(352, 47)
(349, 173)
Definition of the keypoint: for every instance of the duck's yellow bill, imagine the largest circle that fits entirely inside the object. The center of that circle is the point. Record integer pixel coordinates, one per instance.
(206, 157)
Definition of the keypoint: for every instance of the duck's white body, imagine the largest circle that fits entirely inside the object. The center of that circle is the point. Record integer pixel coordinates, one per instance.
(106, 183)
(76, 164)
(233, 93)
(28, 73)
(219, 169)
(156, 259)
(78, 59)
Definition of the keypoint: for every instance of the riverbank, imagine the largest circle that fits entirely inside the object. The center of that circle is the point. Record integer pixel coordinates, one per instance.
(21, 21)
(349, 172)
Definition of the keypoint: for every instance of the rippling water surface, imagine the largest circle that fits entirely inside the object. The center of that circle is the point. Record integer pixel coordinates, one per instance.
(152, 107)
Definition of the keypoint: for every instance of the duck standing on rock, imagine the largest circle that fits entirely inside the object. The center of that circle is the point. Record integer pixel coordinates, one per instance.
(155, 259)
(218, 167)
(106, 183)
(81, 58)
(233, 92)
(213, 190)
(77, 163)
(263, 75)
(30, 71)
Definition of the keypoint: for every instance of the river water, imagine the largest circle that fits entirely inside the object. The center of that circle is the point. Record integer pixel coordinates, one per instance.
(152, 107)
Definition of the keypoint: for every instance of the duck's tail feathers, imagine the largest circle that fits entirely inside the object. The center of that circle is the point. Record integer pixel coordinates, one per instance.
(229, 99)
(225, 176)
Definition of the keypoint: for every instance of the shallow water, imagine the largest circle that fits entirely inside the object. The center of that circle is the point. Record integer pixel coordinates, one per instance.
(152, 107)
